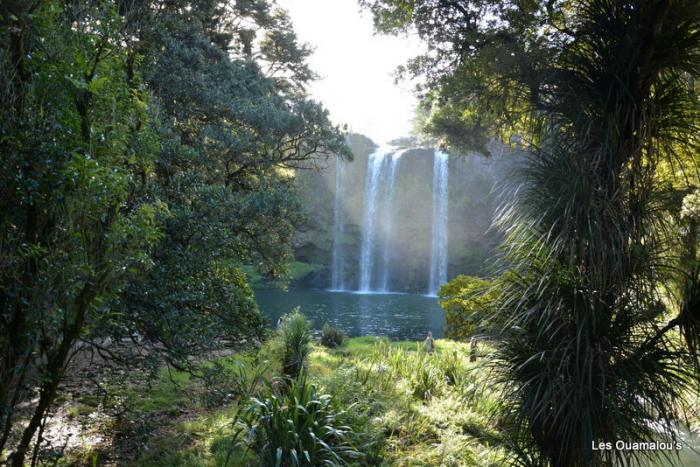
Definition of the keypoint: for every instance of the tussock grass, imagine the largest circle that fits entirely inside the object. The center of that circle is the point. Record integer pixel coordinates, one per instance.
(424, 409)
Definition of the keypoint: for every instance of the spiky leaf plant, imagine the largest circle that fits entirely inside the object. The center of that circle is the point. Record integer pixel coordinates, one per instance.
(295, 334)
(602, 97)
(585, 355)
(299, 428)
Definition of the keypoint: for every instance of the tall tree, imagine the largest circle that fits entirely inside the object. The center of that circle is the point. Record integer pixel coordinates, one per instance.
(147, 150)
(71, 228)
(239, 123)
(600, 93)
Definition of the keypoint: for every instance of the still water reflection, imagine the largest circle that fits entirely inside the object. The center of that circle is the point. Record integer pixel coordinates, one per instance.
(397, 316)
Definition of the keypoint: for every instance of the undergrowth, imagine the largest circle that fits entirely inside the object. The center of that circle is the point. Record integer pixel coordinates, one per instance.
(371, 401)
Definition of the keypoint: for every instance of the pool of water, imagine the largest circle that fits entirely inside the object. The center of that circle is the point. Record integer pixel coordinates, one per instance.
(397, 316)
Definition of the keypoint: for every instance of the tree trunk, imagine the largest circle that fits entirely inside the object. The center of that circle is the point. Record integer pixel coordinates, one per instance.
(56, 366)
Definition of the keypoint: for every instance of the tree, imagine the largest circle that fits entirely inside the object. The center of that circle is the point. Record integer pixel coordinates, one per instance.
(147, 154)
(72, 230)
(601, 93)
(239, 124)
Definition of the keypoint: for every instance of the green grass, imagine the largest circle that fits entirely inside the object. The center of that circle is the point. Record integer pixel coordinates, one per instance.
(359, 346)
(388, 381)
(203, 440)
(168, 393)
(407, 407)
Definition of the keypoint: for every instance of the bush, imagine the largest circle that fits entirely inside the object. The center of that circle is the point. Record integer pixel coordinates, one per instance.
(331, 336)
(451, 365)
(299, 427)
(468, 303)
(295, 333)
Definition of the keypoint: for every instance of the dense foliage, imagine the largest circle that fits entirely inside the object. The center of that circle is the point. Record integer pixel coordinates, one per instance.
(331, 336)
(469, 304)
(369, 384)
(601, 333)
(299, 427)
(147, 150)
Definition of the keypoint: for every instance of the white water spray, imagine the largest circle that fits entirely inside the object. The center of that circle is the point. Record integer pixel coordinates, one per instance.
(438, 248)
(374, 169)
(388, 228)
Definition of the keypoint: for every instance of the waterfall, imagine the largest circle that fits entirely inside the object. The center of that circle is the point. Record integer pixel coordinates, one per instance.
(389, 216)
(372, 181)
(378, 229)
(438, 248)
(338, 261)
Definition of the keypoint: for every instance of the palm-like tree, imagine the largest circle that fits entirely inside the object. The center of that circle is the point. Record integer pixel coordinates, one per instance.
(602, 300)
(590, 354)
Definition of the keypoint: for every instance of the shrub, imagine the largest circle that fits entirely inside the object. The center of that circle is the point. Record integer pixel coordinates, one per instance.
(299, 427)
(295, 334)
(331, 336)
(468, 302)
(451, 365)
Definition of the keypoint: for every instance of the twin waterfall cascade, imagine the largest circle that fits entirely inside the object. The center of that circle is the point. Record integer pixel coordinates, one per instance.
(377, 249)
(367, 252)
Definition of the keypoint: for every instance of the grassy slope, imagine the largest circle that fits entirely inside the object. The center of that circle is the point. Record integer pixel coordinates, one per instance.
(428, 410)
(416, 409)
(413, 414)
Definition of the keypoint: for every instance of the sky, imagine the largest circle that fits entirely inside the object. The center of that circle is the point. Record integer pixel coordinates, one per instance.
(356, 67)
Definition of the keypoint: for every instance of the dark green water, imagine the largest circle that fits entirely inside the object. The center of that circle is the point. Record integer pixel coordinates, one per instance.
(397, 316)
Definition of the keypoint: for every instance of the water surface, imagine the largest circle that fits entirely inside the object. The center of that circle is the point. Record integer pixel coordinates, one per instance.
(397, 316)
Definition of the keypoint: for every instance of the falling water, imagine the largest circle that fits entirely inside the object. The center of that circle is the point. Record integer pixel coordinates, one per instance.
(389, 216)
(374, 169)
(438, 249)
(338, 264)
(377, 245)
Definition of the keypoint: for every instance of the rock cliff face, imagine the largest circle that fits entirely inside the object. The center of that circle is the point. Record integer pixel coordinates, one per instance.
(407, 230)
